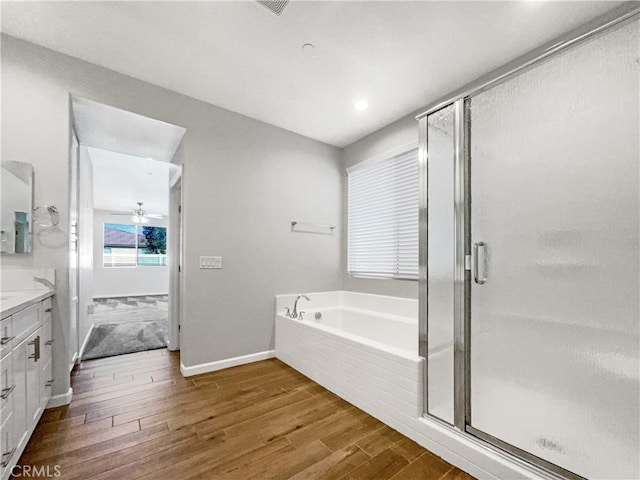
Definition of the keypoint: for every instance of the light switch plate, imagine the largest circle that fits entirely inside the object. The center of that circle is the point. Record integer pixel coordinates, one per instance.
(210, 262)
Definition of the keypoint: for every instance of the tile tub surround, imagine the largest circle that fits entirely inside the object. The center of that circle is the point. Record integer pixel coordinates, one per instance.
(356, 364)
(384, 381)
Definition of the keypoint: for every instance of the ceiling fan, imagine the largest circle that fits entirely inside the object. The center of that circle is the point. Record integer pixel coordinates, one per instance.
(139, 214)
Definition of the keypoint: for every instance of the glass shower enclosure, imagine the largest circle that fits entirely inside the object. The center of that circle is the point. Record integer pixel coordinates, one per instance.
(530, 255)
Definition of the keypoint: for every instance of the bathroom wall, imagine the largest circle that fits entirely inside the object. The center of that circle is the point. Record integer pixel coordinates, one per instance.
(244, 181)
(398, 134)
(120, 282)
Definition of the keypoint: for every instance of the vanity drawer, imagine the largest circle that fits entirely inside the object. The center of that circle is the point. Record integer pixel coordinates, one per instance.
(46, 309)
(6, 335)
(25, 321)
(7, 384)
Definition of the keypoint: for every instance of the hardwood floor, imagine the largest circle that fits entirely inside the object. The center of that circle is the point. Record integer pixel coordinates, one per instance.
(135, 417)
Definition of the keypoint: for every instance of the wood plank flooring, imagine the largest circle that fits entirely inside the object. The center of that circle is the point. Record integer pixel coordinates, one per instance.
(135, 417)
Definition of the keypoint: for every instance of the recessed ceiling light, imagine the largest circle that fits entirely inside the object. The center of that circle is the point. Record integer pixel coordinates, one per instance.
(308, 48)
(361, 105)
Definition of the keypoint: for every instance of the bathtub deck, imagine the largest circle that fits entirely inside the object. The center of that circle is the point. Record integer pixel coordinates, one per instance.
(135, 416)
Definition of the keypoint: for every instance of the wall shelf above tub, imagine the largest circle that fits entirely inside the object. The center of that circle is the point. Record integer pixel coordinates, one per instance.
(318, 228)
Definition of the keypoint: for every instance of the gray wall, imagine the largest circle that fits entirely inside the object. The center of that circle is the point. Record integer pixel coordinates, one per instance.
(244, 181)
(398, 134)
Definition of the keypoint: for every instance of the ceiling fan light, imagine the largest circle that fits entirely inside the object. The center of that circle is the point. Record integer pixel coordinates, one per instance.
(136, 219)
(143, 219)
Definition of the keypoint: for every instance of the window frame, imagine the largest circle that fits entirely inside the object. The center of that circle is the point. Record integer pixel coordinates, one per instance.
(370, 162)
(136, 248)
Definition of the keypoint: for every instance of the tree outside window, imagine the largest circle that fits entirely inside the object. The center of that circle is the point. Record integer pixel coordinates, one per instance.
(154, 252)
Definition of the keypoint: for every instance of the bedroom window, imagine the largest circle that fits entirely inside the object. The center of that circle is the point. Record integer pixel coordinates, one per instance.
(134, 245)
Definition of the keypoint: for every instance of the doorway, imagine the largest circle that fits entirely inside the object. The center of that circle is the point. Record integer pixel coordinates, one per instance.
(125, 170)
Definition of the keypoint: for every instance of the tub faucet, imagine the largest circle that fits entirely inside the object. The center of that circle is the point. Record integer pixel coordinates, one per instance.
(294, 314)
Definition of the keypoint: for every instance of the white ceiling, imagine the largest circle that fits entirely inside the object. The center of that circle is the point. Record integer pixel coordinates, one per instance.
(399, 56)
(110, 128)
(119, 181)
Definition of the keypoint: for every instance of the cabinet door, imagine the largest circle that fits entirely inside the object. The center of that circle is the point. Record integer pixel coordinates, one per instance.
(20, 393)
(33, 376)
(46, 377)
(7, 444)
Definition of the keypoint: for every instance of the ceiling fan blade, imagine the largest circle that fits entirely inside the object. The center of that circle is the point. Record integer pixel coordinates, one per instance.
(154, 215)
(121, 213)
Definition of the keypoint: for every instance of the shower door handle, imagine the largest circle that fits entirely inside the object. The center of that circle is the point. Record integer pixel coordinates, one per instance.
(476, 263)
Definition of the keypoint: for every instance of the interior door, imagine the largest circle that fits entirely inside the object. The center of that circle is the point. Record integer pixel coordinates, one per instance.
(555, 214)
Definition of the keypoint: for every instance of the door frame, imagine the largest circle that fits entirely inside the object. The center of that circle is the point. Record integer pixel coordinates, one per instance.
(175, 248)
(74, 251)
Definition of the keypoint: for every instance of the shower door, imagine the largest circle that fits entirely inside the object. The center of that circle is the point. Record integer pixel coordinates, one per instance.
(554, 296)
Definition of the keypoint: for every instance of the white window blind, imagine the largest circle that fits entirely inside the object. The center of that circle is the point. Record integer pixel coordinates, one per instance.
(383, 218)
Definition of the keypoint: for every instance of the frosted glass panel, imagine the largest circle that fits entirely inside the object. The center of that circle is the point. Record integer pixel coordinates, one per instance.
(555, 197)
(440, 263)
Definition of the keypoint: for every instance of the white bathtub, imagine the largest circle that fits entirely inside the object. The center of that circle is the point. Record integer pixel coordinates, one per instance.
(364, 348)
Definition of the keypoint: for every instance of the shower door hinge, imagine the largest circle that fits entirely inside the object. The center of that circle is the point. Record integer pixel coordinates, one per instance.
(467, 262)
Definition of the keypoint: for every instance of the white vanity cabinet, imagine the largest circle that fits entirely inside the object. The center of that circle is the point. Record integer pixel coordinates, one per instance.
(26, 377)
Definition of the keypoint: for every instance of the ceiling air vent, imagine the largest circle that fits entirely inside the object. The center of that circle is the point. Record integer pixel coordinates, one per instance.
(276, 6)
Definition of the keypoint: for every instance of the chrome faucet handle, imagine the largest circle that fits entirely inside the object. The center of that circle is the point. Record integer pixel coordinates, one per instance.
(294, 313)
(288, 312)
(300, 316)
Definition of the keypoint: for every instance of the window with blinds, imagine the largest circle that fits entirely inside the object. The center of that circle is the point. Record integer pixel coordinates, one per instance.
(383, 218)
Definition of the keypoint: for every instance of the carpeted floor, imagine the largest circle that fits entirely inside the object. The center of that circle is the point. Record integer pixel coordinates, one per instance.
(126, 325)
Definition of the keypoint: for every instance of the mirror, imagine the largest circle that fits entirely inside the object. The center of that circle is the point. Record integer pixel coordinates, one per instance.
(16, 205)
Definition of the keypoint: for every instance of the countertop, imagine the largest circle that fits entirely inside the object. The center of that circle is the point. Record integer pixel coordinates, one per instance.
(14, 301)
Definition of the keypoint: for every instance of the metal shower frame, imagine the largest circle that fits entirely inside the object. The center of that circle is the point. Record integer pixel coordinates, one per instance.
(461, 101)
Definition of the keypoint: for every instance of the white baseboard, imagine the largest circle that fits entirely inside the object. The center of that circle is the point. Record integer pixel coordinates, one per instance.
(226, 363)
(84, 342)
(171, 347)
(60, 400)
